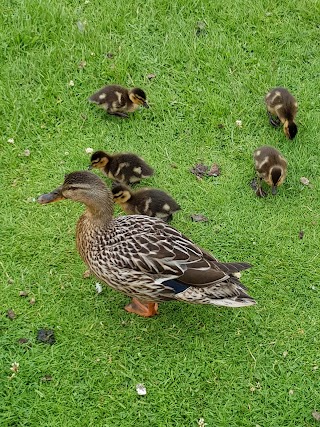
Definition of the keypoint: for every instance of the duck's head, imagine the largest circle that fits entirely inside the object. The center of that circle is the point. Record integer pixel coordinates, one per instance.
(82, 186)
(290, 129)
(99, 159)
(138, 96)
(275, 178)
(121, 193)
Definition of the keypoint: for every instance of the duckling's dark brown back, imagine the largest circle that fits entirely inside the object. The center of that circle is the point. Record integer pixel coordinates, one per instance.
(281, 102)
(266, 157)
(154, 202)
(129, 168)
(110, 94)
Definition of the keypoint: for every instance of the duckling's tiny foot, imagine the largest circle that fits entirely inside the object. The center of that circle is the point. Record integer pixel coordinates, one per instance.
(123, 115)
(147, 309)
(260, 192)
(274, 121)
(168, 219)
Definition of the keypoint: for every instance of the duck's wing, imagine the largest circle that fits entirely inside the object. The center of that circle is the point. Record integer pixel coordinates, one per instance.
(113, 95)
(152, 247)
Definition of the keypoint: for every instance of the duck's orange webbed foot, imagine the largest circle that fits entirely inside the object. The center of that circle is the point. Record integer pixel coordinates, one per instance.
(146, 309)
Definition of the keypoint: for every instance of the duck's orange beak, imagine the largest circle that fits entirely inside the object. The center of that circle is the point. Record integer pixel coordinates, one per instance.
(55, 196)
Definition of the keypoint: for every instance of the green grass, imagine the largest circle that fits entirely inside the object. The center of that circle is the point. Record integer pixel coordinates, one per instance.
(247, 367)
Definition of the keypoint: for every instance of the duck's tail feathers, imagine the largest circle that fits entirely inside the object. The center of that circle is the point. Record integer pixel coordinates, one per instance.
(232, 267)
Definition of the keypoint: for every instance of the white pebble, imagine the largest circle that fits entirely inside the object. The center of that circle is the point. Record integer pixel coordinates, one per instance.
(141, 390)
(98, 288)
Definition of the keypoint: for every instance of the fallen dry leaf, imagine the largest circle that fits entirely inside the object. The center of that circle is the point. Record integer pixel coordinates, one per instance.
(199, 170)
(11, 141)
(71, 83)
(316, 415)
(201, 28)
(23, 294)
(214, 170)
(141, 390)
(285, 354)
(27, 153)
(174, 165)
(301, 234)
(239, 123)
(46, 378)
(82, 64)
(220, 125)
(32, 301)
(89, 150)
(304, 180)
(46, 336)
(199, 218)
(291, 392)
(86, 274)
(151, 76)
(22, 341)
(11, 314)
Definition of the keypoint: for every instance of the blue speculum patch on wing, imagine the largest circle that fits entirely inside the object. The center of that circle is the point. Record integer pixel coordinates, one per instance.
(176, 286)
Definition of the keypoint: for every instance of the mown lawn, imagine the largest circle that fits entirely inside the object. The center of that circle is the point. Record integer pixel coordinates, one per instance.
(213, 62)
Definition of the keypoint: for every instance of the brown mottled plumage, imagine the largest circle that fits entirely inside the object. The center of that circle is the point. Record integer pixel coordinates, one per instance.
(283, 105)
(126, 168)
(271, 166)
(144, 257)
(118, 100)
(145, 201)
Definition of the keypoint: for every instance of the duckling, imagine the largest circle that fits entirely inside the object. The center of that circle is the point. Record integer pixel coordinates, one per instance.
(118, 100)
(143, 257)
(126, 168)
(271, 166)
(282, 104)
(146, 201)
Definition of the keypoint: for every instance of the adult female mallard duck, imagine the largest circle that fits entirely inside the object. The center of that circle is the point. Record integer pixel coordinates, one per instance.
(143, 257)
(118, 100)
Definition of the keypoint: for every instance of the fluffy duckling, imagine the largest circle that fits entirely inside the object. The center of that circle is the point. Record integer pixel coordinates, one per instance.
(146, 201)
(118, 100)
(271, 167)
(144, 257)
(126, 168)
(282, 104)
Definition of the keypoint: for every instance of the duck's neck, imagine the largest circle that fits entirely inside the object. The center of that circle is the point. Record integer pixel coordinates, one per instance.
(93, 222)
(99, 211)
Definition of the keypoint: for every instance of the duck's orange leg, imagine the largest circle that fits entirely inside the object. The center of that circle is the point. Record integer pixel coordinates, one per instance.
(145, 309)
